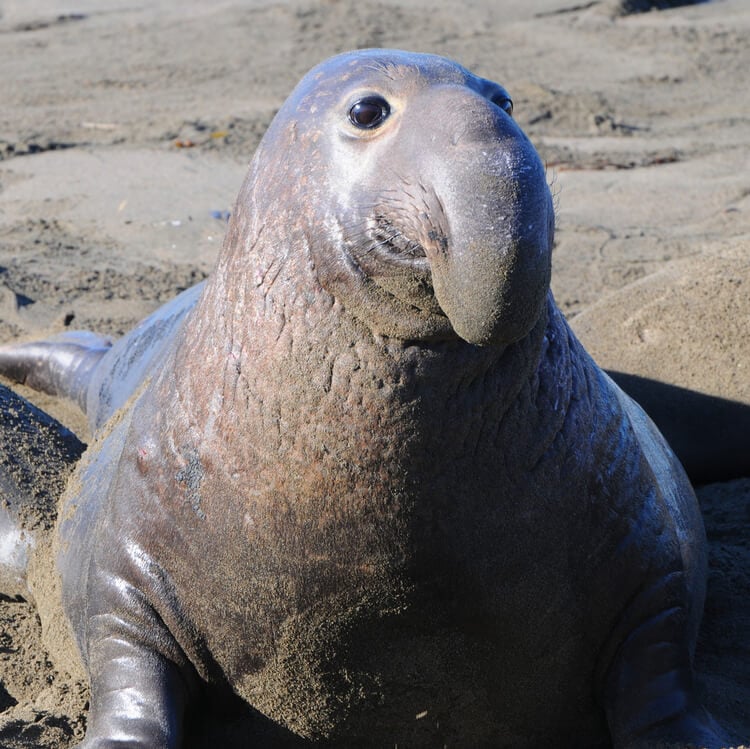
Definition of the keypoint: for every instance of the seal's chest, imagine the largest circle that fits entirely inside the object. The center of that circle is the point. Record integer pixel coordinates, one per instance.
(380, 667)
(395, 585)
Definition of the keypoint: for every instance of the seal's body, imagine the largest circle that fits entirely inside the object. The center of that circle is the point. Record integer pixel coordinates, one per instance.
(367, 477)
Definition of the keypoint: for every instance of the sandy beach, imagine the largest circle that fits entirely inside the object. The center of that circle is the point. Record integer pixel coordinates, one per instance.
(126, 130)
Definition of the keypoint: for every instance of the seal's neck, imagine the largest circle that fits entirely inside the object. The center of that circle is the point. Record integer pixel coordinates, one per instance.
(274, 349)
(268, 347)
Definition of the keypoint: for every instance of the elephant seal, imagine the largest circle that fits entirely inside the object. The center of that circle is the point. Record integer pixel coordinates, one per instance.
(366, 477)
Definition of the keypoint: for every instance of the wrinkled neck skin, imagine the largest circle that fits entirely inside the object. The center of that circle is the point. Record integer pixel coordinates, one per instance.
(292, 319)
(277, 349)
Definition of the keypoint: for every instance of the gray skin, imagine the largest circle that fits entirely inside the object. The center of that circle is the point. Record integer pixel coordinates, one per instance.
(366, 477)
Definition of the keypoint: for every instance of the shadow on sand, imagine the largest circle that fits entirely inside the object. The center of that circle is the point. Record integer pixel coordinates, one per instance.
(710, 435)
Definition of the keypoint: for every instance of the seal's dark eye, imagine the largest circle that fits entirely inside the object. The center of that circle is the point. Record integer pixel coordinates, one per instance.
(504, 103)
(369, 112)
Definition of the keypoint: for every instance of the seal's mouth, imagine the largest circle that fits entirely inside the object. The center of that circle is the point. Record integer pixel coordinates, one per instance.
(392, 267)
(388, 241)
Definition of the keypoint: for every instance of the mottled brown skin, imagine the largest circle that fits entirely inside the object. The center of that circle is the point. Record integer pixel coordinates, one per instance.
(374, 484)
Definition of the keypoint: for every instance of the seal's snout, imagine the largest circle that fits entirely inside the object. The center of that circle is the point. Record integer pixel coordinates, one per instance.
(492, 279)
(475, 117)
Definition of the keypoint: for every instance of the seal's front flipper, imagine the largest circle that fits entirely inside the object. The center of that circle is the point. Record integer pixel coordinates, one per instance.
(141, 679)
(62, 365)
(138, 697)
(650, 696)
(36, 455)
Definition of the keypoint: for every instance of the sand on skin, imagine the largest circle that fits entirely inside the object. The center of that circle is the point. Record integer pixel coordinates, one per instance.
(642, 121)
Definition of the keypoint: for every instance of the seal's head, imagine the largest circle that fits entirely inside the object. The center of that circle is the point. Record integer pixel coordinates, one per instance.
(426, 209)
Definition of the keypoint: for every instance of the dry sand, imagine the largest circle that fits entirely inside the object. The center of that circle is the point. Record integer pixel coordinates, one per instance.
(643, 120)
